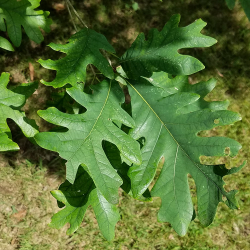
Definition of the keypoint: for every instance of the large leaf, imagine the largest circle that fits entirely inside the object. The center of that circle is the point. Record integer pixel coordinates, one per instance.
(82, 143)
(160, 51)
(76, 198)
(22, 13)
(246, 6)
(10, 104)
(82, 50)
(168, 118)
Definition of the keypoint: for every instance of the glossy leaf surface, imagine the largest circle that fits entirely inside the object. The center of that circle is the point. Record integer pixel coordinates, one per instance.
(160, 51)
(82, 143)
(16, 14)
(168, 115)
(76, 198)
(5, 44)
(10, 104)
(83, 49)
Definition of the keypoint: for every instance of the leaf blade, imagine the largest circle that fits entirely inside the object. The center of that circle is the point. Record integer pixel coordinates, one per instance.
(246, 6)
(158, 108)
(77, 197)
(107, 214)
(10, 104)
(5, 44)
(230, 4)
(82, 143)
(22, 13)
(82, 50)
(160, 51)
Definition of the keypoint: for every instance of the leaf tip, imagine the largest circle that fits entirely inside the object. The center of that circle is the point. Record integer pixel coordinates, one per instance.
(176, 16)
(40, 112)
(53, 192)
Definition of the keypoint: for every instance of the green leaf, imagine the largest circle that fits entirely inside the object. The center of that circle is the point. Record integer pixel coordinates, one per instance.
(5, 44)
(246, 6)
(77, 198)
(160, 51)
(10, 104)
(82, 50)
(135, 6)
(63, 102)
(230, 4)
(169, 120)
(22, 13)
(82, 143)
(171, 86)
(25, 89)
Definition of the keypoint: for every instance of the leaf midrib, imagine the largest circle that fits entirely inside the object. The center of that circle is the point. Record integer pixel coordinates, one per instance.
(145, 54)
(194, 163)
(76, 61)
(97, 119)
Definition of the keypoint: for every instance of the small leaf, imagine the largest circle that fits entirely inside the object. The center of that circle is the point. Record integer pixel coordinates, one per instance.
(107, 215)
(82, 50)
(246, 6)
(5, 44)
(22, 13)
(160, 51)
(10, 104)
(82, 143)
(135, 6)
(230, 4)
(25, 89)
(77, 197)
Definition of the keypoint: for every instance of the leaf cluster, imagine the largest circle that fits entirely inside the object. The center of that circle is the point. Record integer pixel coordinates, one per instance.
(142, 118)
(122, 147)
(11, 103)
(16, 14)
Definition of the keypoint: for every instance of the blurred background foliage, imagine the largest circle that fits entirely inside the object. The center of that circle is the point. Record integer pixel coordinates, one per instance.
(27, 176)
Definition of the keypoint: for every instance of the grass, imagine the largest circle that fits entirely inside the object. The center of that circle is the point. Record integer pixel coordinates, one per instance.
(27, 176)
(26, 208)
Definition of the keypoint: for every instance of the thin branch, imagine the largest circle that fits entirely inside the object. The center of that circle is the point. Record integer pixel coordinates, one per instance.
(77, 15)
(94, 73)
(113, 54)
(67, 4)
(93, 81)
(105, 54)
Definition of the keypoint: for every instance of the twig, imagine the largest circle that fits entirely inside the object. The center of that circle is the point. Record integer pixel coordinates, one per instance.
(77, 15)
(67, 4)
(105, 54)
(113, 55)
(94, 73)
